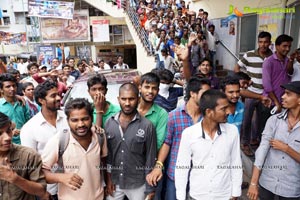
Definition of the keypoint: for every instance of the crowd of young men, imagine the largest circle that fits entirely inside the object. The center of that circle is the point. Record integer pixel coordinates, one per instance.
(145, 147)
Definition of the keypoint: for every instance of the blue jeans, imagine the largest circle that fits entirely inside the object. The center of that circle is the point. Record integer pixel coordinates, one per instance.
(170, 190)
(260, 119)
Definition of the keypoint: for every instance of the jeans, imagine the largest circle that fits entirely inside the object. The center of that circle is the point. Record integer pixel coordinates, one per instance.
(261, 117)
(170, 190)
(265, 194)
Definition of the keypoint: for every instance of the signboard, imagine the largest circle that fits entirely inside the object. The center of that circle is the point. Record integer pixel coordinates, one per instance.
(47, 53)
(100, 30)
(53, 9)
(7, 38)
(66, 30)
(84, 52)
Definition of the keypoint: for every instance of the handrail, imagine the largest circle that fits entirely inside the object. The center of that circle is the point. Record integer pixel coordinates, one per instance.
(229, 50)
(132, 14)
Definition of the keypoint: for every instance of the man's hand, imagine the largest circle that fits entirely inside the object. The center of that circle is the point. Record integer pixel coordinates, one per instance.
(181, 52)
(46, 196)
(62, 47)
(110, 188)
(192, 38)
(278, 145)
(6, 172)
(253, 192)
(99, 102)
(71, 180)
(21, 99)
(154, 176)
(150, 196)
(266, 101)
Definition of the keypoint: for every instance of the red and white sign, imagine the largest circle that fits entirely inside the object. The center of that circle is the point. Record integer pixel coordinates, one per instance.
(100, 30)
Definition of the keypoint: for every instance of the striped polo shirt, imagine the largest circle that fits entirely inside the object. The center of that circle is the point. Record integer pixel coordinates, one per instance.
(252, 62)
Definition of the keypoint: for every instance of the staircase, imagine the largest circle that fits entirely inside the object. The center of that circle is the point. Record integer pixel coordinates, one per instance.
(144, 50)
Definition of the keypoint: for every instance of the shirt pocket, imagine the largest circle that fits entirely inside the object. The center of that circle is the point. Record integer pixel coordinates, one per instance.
(296, 145)
(138, 145)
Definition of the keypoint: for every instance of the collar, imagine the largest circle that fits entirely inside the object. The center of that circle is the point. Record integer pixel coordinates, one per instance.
(93, 141)
(219, 130)
(269, 53)
(283, 114)
(152, 109)
(276, 58)
(3, 101)
(117, 115)
(41, 119)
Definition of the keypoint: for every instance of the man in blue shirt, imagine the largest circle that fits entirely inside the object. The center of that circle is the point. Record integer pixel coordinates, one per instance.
(231, 87)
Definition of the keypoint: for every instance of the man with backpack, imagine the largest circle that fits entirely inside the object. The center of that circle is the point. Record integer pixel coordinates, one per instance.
(78, 151)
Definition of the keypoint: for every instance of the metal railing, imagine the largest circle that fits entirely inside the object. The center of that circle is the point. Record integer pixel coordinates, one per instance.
(134, 18)
(229, 50)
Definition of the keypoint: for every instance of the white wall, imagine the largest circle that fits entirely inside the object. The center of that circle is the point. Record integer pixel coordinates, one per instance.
(224, 57)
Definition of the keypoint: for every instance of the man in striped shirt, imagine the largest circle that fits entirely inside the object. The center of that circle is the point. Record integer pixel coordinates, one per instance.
(252, 62)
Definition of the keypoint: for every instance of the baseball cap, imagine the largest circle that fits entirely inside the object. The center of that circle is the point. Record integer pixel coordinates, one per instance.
(42, 66)
(292, 86)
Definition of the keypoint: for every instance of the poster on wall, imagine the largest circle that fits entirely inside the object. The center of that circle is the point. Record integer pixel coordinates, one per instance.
(53, 9)
(46, 53)
(100, 30)
(66, 30)
(7, 38)
(84, 52)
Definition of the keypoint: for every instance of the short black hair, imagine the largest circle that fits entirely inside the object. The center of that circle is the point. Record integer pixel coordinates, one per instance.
(229, 80)
(25, 85)
(264, 34)
(13, 71)
(4, 120)
(209, 100)
(211, 25)
(97, 79)
(195, 85)
(165, 75)
(242, 76)
(65, 65)
(129, 86)
(78, 104)
(7, 77)
(31, 65)
(283, 38)
(150, 77)
(40, 92)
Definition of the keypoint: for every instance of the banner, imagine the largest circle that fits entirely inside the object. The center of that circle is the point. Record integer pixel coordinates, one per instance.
(53, 9)
(84, 52)
(47, 54)
(12, 38)
(100, 30)
(66, 30)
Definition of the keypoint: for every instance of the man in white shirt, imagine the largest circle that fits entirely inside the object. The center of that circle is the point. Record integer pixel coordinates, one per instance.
(120, 64)
(210, 151)
(296, 74)
(46, 123)
(22, 67)
(101, 66)
(212, 41)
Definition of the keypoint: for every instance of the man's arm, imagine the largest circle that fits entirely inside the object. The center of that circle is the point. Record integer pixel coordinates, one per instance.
(279, 145)
(151, 153)
(237, 68)
(31, 187)
(161, 128)
(266, 101)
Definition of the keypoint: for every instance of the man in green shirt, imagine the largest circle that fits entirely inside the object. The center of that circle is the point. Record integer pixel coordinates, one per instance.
(149, 87)
(10, 106)
(103, 110)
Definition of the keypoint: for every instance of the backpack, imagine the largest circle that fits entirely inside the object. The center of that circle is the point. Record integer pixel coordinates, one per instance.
(64, 139)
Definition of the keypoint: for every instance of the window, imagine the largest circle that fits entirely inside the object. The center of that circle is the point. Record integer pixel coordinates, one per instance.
(248, 33)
